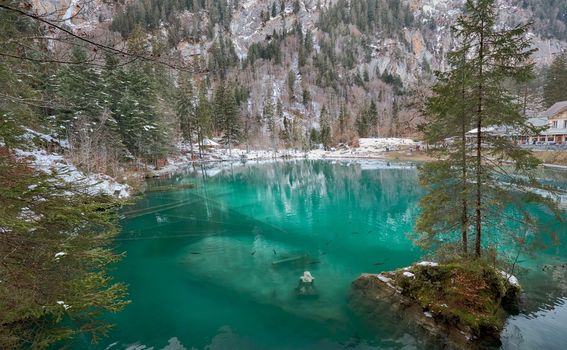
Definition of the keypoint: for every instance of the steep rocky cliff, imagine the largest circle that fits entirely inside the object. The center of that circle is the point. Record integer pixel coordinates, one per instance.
(362, 50)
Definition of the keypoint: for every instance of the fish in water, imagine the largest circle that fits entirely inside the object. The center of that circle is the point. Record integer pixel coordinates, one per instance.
(195, 253)
(254, 252)
(274, 251)
(355, 233)
(379, 263)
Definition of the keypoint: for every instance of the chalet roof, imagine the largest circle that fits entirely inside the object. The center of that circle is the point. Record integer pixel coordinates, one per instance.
(555, 109)
(209, 142)
(538, 121)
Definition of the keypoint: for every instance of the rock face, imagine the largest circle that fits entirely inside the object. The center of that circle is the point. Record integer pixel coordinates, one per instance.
(431, 301)
(346, 66)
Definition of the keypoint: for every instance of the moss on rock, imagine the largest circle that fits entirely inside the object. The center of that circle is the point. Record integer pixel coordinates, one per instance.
(460, 301)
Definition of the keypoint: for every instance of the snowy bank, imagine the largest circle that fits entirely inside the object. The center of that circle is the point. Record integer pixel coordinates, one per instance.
(91, 184)
(369, 149)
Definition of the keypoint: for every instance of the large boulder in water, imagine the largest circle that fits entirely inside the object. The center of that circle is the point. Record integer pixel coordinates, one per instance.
(458, 305)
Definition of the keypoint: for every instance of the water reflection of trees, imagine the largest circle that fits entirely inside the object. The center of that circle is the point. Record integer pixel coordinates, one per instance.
(387, 196)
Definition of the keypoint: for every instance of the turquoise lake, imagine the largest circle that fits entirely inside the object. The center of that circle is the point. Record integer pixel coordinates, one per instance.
(215, 266)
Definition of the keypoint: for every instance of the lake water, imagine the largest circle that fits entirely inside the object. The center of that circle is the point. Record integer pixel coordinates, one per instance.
(216, 266)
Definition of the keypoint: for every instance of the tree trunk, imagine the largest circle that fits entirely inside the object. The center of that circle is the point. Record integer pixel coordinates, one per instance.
(191, 140)
(464, 217)
(478, 147)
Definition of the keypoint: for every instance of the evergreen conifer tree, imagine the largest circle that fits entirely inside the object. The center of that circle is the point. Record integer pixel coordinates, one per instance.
(555, 88)
(231, 123)
(471, 172)
(186, 109)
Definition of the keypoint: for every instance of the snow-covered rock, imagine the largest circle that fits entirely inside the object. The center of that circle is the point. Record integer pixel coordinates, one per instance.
(510, 278)
(408, 274)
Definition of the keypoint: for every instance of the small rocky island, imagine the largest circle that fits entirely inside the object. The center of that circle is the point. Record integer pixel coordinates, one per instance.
(461, 305)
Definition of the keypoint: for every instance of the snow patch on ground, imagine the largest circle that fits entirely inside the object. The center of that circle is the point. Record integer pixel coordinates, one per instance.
(366, 156)
(91, 184)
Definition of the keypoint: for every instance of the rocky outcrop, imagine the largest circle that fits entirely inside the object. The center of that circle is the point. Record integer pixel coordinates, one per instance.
(451, 305)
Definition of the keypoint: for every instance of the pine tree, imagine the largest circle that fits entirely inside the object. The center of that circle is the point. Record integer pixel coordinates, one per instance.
(203, 117)
(308, 42)
(342, 120)
(325, 128)
(220, 98)
(113, 88)
(471, 171)
(79, 88)
(268, 118)
(372, 114)
(449, 109)
(186, 109)
(555, 88)
(231, 123)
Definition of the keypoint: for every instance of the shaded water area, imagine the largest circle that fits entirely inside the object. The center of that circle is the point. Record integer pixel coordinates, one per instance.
(216, 265)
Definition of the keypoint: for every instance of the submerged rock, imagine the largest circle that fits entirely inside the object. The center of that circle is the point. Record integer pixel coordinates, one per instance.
(458, 305)
(306, 288)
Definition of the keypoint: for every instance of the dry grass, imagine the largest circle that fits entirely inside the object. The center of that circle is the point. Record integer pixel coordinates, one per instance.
(420, 156)
(552, 157)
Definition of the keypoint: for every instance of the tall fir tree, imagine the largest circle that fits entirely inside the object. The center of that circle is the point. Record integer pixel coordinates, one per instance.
(555, 86)
(488, 57)
(231, 124)
(325, 128)
(186, 109)
(203, 117)
(220, 98)
(269, 119)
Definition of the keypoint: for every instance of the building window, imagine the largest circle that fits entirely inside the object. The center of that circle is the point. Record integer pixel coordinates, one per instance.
(565, 124)
(554, 124)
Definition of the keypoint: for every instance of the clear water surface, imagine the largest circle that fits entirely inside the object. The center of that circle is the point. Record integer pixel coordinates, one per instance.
(215, 266)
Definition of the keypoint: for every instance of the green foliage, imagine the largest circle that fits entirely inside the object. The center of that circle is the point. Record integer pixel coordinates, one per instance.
(266, 51)
(366, 119)
(325, 128)
(468, 188)
(149, 14)
(393, 80)
(46, 296)
(314, 138)
(185, 108)
(368, 16)
(231, 119)
(222, 57)
(556, 81)
(204, 123)
(290, 82)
